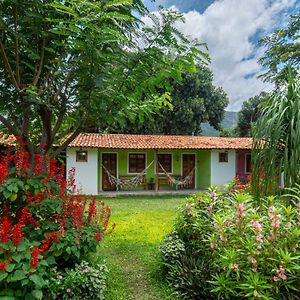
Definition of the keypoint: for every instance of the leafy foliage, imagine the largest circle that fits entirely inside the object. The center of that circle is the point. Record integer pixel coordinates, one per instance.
(235, 249)
(42, 226)
(283, 50)
(276, 140)
(249, 114)
(194, 100)
(67, 65)
(82, 282)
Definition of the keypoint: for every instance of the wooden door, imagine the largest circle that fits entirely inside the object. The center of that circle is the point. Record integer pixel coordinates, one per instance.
(109, 161)
(188, 164)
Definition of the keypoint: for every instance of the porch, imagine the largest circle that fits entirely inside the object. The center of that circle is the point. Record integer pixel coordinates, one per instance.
(111, 194)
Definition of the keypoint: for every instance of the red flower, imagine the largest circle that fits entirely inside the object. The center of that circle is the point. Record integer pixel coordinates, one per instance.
(4, 230)
(55, 237)
(34, 257)
(17, 234)
(10, 259)
(92, 210)
(3, 172)
(2, 266)
(46, 243)
(97, 236)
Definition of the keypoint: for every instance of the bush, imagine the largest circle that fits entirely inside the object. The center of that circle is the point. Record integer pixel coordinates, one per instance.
(241, 250)
(42, 224)
(172, 249)
(82, 282)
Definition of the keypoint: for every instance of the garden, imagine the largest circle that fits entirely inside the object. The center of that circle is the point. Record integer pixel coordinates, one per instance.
(47, 233)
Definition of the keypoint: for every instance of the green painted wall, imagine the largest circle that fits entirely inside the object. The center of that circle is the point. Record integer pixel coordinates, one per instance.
(202, 164)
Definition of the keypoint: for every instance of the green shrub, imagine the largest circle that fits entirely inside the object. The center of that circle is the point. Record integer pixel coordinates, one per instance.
(83, 282)
(235, 249)
(172, 249)
(43, 225)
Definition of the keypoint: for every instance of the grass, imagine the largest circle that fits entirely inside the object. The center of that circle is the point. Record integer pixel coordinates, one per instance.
(132, 251)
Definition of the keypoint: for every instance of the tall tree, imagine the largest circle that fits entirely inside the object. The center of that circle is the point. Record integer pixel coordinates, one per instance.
(194, 100)
(67, 65)
(276, 140)
(249, 114)
(282, 50)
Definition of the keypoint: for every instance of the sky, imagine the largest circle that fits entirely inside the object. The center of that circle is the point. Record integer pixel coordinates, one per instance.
(232, 29)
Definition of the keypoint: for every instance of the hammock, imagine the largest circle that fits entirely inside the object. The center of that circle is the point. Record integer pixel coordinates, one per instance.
(183, 182)
(126, 183)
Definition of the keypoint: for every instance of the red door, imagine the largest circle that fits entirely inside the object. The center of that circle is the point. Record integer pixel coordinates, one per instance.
(109, 161)
(188, 165)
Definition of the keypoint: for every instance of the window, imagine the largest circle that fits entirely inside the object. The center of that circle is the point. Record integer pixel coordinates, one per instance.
(81, 156)
(223, 157)
(248, 163)
(166, 161)
(137, 162)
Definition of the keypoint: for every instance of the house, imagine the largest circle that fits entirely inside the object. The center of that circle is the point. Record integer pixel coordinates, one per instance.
(110, 162)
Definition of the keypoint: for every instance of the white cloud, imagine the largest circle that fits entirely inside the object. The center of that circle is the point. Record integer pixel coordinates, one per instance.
(228, 26)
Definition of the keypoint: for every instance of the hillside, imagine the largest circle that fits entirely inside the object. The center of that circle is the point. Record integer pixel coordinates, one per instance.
(229, 122)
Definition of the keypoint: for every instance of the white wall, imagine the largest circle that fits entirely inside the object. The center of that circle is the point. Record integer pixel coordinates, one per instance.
(222, 173)
(86, 173)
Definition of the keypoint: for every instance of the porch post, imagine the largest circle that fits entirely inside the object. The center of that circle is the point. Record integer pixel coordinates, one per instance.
(155, 172)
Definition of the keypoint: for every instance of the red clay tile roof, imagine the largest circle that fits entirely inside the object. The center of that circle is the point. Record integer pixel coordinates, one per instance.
(6, 139)
(132, 141)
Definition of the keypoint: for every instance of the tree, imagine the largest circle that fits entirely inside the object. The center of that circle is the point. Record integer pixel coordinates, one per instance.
(194, 100)
(276, 140)
(282, 50)
(249, 113)
(68, 65)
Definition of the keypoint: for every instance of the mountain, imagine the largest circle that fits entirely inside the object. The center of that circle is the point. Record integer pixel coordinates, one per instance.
(229, 122)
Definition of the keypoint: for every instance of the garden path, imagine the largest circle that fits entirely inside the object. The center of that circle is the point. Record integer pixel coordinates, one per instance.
(131, 252)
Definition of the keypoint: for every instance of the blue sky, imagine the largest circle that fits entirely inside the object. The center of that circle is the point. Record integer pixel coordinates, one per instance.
(231, 28)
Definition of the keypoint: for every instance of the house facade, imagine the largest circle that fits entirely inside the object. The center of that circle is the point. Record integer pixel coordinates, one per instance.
(111, 162)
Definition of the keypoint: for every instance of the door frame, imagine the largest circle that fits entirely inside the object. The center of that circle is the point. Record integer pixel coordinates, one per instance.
(194, 153)
(110, 152)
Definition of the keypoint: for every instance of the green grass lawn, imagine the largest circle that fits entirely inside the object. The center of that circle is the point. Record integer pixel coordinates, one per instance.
(132, 253)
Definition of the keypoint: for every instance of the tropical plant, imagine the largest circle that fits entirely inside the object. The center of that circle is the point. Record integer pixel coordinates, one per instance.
(282, 50)
(65, 65)
(276, 140)
(235, 248)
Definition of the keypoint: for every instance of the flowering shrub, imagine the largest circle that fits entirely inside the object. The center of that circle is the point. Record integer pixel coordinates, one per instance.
(82, 282)
(42, 225)
(252, 251)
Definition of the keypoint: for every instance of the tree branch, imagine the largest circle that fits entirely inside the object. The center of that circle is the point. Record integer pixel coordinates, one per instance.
(8, 67)
(9, 126)
(18, 80)
(67, 142)
(38, 74)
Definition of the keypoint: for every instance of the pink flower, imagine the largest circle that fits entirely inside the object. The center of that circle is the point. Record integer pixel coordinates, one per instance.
(85, 270)
(225, 268)
(275, 278)
(68, 290)
(256, 225)
(235, 267)
(259, 238)
(241, 207)
(293, 249)
(223, 238)
(253, 260)
(254, 270)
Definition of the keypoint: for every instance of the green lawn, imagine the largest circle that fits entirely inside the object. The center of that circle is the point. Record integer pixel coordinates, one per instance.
(131, 252)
